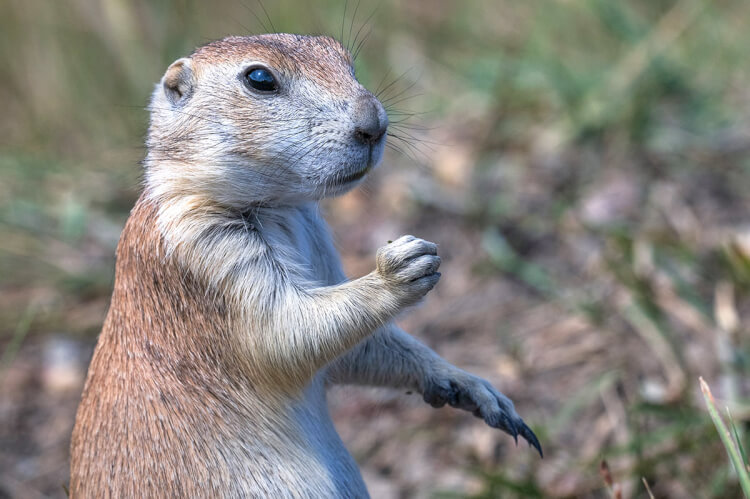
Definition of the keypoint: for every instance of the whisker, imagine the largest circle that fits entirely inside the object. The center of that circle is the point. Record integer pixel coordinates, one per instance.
(388, 100)
(367, 22)
(405, 112)
(407, 137)
(358, 44)
(361, 44)
(343, 20)
(382, 92)
(351, 25)
(391, 102)
(249, 9)
(410, 144)
(267, 16)
(405, 122)
(387, 73)
(402, 152)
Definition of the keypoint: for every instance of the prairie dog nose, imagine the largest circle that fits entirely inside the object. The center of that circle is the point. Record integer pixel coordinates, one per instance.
(370, 120)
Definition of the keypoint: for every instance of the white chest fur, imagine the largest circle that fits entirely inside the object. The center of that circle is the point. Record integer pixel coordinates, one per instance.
(300, 241)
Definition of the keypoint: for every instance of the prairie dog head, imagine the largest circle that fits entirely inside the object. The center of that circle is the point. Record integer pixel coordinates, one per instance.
(270, 119)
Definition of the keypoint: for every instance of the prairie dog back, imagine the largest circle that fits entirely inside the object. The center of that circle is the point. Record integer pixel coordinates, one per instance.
(230, 313)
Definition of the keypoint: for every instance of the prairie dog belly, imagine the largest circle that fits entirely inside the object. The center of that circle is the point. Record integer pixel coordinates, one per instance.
(338, 467)
(308, 458)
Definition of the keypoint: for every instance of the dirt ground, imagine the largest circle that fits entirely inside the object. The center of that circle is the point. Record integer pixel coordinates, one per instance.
(572, 379)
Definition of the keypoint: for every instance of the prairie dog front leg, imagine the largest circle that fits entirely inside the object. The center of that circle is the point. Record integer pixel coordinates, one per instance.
(395, 359)
(314, 326)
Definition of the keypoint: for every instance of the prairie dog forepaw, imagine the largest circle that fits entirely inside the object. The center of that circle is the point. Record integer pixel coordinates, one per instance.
(465, 391)
(409, 267)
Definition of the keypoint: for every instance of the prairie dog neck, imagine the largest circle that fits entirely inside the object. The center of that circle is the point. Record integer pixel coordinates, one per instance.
(220, 244)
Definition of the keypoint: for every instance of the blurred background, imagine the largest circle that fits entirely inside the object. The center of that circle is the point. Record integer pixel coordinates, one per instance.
(583, 164)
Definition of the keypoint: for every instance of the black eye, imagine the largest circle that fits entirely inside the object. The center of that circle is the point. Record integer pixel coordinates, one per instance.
(260, 79)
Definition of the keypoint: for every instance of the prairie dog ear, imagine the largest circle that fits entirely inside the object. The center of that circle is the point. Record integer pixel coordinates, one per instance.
(178, 81)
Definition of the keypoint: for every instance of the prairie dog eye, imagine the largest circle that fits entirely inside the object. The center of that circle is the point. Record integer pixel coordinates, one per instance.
(260, 79)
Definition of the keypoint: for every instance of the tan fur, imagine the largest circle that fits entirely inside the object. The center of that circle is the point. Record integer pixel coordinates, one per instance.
(230, 314)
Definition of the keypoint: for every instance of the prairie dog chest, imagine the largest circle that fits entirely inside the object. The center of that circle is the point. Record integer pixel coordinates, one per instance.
(299, 238)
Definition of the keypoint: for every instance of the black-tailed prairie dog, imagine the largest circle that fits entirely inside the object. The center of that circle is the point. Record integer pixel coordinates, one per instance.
(230, 314)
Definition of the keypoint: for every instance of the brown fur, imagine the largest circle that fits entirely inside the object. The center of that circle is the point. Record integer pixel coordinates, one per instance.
(152, 372)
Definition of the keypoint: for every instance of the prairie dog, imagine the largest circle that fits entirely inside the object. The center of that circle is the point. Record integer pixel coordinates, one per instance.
(230, 313)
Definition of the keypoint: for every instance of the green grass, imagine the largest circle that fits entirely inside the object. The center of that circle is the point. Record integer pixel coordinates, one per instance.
(731, 440)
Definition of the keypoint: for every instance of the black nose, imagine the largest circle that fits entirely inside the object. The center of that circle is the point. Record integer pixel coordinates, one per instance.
(370, 120)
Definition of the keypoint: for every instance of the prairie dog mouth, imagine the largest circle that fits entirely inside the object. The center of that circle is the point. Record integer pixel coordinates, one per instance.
(352, 177)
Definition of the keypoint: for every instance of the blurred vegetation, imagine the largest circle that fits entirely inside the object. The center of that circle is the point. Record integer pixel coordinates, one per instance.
(599, 150)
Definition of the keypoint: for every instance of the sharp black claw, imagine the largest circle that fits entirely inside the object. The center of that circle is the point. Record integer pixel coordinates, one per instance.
(531, 438)
(513, 429)
(437, 393)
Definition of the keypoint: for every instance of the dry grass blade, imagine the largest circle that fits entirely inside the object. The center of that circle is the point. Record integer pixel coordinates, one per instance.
(648, 489)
